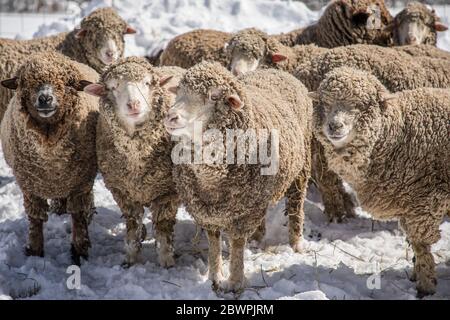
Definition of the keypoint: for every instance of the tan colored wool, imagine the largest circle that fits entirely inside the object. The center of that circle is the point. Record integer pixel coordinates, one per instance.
(234, 198)
(53, 158)
(137, 169)
(398, 160)
(100, 24)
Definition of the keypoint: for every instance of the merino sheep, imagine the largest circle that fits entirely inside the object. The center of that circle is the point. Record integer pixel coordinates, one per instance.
(233, 197)
(48, 139)
(190, 48)
(345, 22)
(424, 50)
(362, 21)
(250, 49)
(98, 42)
(133, 149)
(394, 150)
(416, 24)
(397, 70)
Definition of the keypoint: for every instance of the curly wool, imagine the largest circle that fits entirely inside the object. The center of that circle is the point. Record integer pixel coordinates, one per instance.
(397, 161)
(234, 198)
(419, 11)
(397, 70)
(13, 53)
(335, 29)
(424, 50)
(190, 48)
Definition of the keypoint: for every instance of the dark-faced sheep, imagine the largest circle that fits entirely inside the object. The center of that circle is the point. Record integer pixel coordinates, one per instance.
(229, 196)
(394, 150)
(48, 139)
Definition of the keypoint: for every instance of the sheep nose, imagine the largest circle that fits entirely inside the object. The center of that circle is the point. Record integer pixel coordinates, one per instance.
(335, 126)
(134, 105)
(237, 72)
(172, 118)
(45, 99)
(110, 54)
(411, 38)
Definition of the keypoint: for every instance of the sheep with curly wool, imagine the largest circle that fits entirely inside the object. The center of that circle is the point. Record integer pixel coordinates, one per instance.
(416, 24)
(232, 196)
(48, 139)
(134, 149)
(397, 70)
(394, 150)
(98, 42)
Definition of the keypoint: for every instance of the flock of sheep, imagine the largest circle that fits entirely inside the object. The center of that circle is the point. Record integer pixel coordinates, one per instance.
(359, 96)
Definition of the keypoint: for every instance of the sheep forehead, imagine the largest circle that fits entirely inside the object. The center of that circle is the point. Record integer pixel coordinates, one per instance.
(129, 69)
(418, 11)
(249, 41)
(103, 18)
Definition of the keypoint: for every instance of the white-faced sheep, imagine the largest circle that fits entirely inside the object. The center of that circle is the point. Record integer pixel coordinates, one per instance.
(134, 149)
(48, 139)
(394, 150)
(250, 49)
(98, 42)
(345, 22)
(397, 70)
(416, 24)
(227, 195)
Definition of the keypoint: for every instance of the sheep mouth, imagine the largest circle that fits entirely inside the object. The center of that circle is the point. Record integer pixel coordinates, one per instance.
(337, 137)
(172, 129)
(46, 112)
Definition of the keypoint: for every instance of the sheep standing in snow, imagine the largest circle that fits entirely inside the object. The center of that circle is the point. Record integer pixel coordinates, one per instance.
(397, 70)
(394, 150)
(133, 149)
(233, 197)
(48, 139)
(98, 42)
(250, 49)
(416, 24)
(345, 22)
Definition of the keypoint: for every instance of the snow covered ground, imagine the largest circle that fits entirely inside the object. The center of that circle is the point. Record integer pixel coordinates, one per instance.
(359, 259)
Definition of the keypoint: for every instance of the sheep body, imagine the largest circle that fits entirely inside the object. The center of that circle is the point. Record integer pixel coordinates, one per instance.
(395, 69)
(397, 160)
(234, 198)
(53, 160)
(15, 52)
(188, 49)
(137, 169)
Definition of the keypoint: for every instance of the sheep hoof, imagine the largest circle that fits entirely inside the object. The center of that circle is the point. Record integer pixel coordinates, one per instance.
(76, 256)
(427, 289)
(231, 286)
(166, 260)
(297, 247)
(126, 264)
(33, 252)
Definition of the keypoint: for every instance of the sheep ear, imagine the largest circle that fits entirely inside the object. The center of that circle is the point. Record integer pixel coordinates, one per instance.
(80, 33)
(95, 89)
(173, 89)
(129, 30)
(164, 80)
(82, 84)
(314, 95)
(235, 102)
(439, 26)
(278, 57)
(11, 84)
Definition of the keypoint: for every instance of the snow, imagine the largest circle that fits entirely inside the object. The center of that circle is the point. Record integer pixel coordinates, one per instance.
(340, 261)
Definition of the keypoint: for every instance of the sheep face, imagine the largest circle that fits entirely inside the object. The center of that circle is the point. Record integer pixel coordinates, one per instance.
(417, 24)
(190, 111)
(246, 50)
(46, 95)
(102, 37)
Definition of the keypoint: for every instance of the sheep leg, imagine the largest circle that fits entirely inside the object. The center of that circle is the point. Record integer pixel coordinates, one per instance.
(215, 258)
(236, 280)
(36, 209)
(79, 206)
(422, 231)
(259, 234)
(337, 202)
(296, 195)
(164, 212)
(134, 215)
